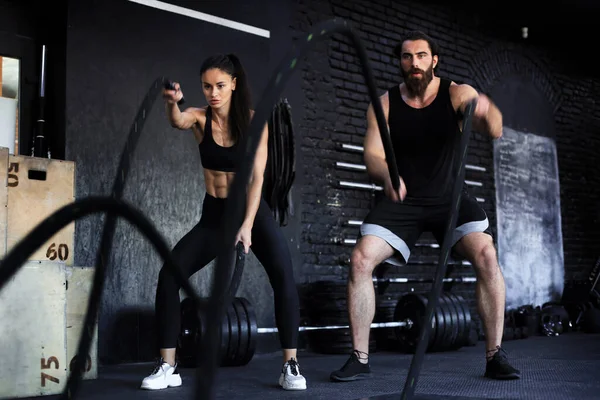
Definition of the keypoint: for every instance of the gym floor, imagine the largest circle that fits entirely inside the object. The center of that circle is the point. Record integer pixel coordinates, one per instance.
(562, 367)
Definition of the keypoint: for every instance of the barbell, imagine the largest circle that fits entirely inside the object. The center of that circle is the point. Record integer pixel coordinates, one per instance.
(451, 326)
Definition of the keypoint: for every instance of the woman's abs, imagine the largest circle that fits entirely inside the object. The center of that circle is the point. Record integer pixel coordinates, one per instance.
(217, 182)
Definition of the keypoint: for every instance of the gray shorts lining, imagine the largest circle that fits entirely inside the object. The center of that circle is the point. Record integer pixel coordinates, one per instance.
(402, 248)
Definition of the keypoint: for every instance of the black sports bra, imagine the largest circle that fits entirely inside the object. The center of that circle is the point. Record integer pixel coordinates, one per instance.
(214, 156)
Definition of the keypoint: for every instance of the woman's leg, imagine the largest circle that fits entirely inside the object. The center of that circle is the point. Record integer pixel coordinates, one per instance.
(192, 253)
(270, 247)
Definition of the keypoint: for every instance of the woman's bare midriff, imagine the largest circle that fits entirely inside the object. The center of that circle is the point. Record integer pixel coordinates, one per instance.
(217, 182)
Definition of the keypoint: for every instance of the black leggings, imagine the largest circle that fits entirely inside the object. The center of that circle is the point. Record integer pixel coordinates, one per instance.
(197, 248)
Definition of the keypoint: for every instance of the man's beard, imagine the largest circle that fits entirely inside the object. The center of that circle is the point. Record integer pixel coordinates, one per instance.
(416, 85)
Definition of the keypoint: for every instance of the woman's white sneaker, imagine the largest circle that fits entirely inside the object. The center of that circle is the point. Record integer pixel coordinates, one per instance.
(162, 377)
(290, 378)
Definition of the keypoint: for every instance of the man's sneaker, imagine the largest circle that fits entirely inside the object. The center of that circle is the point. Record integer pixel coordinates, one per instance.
(291, 378)
(499, 368)
(162, 377)
(352, 370)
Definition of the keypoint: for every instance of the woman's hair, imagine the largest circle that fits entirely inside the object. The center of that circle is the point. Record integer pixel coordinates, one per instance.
(239, 114)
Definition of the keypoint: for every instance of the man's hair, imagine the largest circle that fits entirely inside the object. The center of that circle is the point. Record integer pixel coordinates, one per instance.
(417, 35)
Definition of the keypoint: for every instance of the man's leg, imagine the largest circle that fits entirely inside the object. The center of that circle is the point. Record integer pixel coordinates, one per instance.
(478, 248)
(369, 252)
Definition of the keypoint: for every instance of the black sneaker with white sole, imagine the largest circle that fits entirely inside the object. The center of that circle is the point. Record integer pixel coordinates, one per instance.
(498, 367)
(352, 370)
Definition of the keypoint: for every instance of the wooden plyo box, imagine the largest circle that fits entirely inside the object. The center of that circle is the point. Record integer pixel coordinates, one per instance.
(31, 189)
(79, 288)
(42, 311)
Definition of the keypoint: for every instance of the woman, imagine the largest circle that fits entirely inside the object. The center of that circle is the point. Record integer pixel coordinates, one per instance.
(218, 129)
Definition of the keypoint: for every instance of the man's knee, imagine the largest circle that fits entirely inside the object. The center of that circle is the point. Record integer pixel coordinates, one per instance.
(485, 257)
(361, 262)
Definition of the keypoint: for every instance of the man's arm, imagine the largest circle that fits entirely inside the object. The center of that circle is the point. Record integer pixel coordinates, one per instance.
(487, 117)
(374, 154)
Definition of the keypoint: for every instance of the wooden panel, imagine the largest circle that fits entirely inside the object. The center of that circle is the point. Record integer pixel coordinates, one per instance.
(79, 287)
(3, 198)
(36, 188)
(32, 332)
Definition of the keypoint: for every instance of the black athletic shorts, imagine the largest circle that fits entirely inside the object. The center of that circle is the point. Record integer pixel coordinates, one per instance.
(401, 224)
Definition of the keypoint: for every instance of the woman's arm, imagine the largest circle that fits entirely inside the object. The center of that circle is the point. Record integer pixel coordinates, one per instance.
(255, 186)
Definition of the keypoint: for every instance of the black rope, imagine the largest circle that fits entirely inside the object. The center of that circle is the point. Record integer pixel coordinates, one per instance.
(434, 295)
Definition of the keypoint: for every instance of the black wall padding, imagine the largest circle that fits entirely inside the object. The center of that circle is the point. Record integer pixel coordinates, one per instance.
(281, 163)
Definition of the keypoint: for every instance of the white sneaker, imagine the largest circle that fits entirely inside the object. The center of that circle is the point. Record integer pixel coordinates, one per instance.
(163, 376)
(290, 378)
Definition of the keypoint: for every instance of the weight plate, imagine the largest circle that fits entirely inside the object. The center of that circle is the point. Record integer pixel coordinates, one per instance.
(234, 337)
(446, 338)
(439, 318)
(244, 331)
(462, 328)
(253, 330)
(412, 306)
(225, 339)
(457, 322)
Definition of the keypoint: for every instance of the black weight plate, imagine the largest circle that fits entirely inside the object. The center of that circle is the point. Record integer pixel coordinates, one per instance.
(244, 331)
(462, 328)
(187, 342)
(435, 336)
(225, 339)
(465, 305)
(435, 323)
(442, 332)
(253, 329)
(457, 322)
(466, 316)
(412, 306)
(449, 320)
(234, 337)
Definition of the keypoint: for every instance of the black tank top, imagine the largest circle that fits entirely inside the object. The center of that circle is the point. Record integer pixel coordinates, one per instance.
(425, 142)
(214, 156)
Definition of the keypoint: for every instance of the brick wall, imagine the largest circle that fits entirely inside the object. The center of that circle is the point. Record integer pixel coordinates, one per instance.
(335, 103)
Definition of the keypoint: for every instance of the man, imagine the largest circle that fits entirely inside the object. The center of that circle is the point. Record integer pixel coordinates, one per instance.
(424, 119)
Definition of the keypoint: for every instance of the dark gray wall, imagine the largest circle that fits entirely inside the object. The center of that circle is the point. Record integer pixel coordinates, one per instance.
(115, 51)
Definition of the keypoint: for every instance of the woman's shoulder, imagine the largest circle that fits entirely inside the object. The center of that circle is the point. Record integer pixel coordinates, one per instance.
(198, 110)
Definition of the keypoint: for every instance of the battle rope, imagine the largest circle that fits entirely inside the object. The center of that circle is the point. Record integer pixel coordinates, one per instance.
(209, 361)
(281, 162)
(434, 295)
